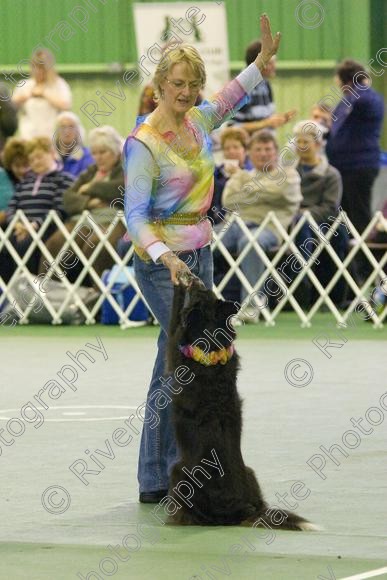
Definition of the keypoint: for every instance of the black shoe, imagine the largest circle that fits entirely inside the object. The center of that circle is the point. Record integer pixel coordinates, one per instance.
(152, 496)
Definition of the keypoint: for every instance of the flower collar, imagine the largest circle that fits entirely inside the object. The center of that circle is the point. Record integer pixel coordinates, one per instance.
(208, 359)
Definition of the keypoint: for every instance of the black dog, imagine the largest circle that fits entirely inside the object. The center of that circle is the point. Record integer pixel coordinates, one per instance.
(208, 421)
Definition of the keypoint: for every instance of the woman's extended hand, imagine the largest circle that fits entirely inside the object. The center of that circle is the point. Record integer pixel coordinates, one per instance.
(180, 273)
(269, 44)
(279, 119)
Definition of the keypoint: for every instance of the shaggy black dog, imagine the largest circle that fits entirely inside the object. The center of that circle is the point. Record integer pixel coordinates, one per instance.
(211, 483)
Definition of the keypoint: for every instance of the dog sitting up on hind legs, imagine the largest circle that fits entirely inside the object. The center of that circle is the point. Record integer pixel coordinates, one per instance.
(207, 416)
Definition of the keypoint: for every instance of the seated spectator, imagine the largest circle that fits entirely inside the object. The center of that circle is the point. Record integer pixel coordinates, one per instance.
(234, 143)
(69, 136)
(268, 187)
(41, 97)
(16, 166)
(259, 111)
(321, 187)
(15, 160)
(6, 192)
(320, 182)
(8, 117)
(40, 191)
(95, 190)
(147, 103)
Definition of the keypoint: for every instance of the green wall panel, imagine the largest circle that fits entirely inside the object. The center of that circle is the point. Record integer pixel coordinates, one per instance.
(107, 34)
(76, 31)
(343, 28)
(84, 89)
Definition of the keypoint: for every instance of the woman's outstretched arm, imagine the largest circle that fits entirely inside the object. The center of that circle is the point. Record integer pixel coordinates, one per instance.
(224, 104)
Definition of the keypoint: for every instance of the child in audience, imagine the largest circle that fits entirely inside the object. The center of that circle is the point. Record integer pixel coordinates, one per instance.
(40, 191)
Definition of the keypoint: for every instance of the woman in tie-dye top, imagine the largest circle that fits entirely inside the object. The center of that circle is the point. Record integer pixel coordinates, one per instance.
(169, 173)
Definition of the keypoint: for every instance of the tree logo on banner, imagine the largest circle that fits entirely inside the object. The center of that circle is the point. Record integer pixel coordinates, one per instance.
(168, 29)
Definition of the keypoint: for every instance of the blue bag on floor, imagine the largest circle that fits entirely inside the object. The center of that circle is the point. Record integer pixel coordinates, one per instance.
(123, 292)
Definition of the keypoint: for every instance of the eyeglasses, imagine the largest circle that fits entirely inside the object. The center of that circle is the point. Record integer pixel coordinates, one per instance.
(180, 85)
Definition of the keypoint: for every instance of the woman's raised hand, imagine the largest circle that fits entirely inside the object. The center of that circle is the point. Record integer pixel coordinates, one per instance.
(269, 44)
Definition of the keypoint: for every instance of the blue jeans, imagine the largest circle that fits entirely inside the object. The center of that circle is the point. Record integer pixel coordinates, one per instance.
(158, 451)
(252, 265)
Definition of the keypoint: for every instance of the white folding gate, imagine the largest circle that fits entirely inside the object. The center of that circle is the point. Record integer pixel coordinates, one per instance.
(273, 269)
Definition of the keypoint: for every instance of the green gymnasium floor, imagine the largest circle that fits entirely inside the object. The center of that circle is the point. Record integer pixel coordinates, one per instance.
(285, 426)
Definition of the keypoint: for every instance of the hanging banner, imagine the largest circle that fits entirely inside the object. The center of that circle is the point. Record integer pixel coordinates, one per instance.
(204, 26)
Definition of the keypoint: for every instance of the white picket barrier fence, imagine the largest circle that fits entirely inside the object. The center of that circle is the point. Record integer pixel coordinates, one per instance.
(273, 267)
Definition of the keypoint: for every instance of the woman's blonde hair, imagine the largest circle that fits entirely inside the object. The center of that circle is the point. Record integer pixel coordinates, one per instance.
(43, 143)
(175, 55)
(15, 149)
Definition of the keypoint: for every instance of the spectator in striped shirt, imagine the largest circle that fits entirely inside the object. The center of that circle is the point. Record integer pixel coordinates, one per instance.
(40, 191)
(15, 163)
(259, 112)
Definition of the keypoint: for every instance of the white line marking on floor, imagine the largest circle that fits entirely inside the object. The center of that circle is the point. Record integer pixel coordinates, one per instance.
(3, 417)
(370, 574)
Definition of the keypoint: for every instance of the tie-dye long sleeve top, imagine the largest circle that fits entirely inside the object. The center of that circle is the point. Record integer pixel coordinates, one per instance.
(161, 180)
